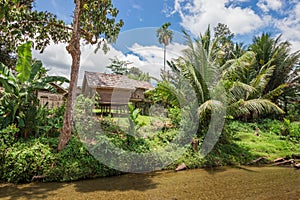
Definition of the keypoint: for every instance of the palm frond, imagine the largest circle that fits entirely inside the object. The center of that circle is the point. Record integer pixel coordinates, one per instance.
(237, 68)
(209, 107)
(259, 106)
(276, 92)
(239, 90)
(261, 80)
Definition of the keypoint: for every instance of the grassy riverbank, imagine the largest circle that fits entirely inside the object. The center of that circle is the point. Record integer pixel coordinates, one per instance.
(26, 160)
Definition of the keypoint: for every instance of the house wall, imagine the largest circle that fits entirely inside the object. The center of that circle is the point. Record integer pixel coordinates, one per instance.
(138, 94)
(114, 95)
(114, 101)
(53, 100)
(120, 95)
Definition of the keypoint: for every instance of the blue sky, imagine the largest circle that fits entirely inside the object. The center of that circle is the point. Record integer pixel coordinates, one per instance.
(245, 18)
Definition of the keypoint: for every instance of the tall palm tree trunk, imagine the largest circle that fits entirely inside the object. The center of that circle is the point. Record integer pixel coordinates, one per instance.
(165, 52)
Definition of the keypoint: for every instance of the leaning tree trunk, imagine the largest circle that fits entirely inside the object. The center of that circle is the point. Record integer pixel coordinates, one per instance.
(74, 49)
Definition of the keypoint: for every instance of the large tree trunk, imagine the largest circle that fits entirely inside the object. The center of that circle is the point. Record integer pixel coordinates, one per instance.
(73, 49)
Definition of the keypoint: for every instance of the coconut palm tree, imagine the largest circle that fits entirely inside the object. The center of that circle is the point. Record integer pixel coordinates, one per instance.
(278, 54)
(244, 91)
(165, 36)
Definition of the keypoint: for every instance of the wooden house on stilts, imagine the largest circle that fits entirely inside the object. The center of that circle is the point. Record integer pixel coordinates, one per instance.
(115, 92)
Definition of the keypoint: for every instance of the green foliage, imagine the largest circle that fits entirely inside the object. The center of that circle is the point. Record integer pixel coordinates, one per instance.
(21, 160)
(294, 111)
(294, 131)
(164, 35)
(137, 74)
(269, 140)
(20, 23)
(118, 66)
(291, 130)
(174, 113)
(50, 121)
(285, 64)
(75, 163)
(8, 80)
(19, 103)
(37, 159)
(98, 18)
(134, 113)
(8, 135)
(24, 62)
(165, 94)
(26, 159)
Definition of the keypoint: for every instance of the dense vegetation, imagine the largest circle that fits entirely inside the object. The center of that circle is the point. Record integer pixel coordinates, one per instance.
(255, 89)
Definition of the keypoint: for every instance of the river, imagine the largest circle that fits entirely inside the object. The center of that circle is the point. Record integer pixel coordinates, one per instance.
(218, 183)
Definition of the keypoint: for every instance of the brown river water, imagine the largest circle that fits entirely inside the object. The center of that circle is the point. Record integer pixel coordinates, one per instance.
(219, 183)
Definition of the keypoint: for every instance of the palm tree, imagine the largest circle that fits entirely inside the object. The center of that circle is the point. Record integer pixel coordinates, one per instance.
(278, 54)
(219, 94)
(244, 91)
(165, 36)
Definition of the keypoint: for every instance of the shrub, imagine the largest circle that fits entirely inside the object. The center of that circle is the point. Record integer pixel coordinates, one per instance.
(8, 135)
(75, 163)
(175, 115)
(37, 157)
(51, 121)
(294, 130)
(26, 159)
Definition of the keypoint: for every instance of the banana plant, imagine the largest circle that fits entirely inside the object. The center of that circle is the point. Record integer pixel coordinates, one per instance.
(19, 103)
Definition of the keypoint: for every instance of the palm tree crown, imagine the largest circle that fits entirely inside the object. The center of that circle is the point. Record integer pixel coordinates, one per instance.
(165, 36)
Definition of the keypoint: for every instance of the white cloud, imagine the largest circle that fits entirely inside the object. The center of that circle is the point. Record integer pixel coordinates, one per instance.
(55, 58)
(277, 16)
(289, 27)
(267, 5)
(150, 58)
(137, 7)
(58, 61)
(240, 1)
(196, 15)
(147, 58)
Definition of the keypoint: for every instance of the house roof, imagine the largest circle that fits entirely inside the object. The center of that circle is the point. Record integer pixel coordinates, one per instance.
(102, 80)
(59, 89)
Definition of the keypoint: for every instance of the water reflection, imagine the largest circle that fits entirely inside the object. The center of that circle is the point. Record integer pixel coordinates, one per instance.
(217, 183)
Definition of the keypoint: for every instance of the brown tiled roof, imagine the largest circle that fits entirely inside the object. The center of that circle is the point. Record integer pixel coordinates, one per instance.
(102, 80)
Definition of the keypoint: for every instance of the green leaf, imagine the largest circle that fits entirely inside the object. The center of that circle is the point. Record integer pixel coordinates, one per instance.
(24, 62)
(8, 80)
(36, 67)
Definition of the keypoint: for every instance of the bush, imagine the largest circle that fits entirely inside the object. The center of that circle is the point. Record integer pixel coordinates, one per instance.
(175, 115)
(75, 163)
(51, 121)
(37, 157)
(273, 126)
(294, 130)
(26, 159)
(8, 135)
